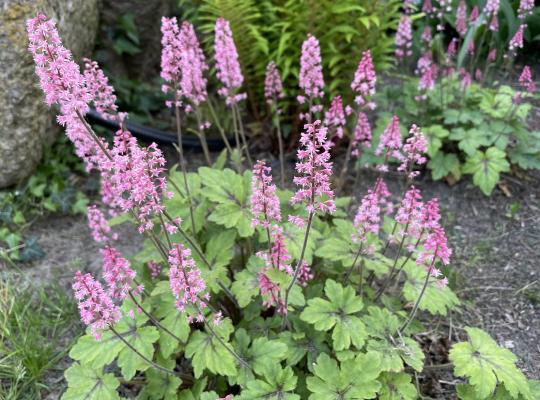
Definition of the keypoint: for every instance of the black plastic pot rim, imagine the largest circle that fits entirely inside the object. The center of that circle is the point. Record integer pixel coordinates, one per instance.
(159, 136)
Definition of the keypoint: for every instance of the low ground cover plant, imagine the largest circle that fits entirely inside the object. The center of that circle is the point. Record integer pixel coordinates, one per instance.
(243, 289)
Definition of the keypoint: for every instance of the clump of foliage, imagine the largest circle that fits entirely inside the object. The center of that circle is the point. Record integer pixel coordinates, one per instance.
(479, 131)
(229, 299)
(55, 187)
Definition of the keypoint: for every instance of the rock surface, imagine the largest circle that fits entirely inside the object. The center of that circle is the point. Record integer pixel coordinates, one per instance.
(25, 123)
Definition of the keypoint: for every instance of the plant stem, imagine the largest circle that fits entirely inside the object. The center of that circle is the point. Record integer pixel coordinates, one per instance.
(281, 156)
(242, 134)
(153, 364)
(297, 269)
(220, 340)
(202, 137)
(417, 303)
(349, 272)
(154, 320)
(183, 164)
(220, 128)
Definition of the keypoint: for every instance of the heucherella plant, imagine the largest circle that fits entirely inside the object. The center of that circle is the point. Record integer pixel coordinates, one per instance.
(228, 298)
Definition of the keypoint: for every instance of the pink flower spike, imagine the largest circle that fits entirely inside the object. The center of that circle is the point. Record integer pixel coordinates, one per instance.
(431, 215)
(364, 80)
(227, 64)
(273, 88)
(474, 15)
(171, 56)
(101, 92)
(390, 142)
(270, 293)
(315, 169)
(410, 214)
(461, 18)
(335, 118)
(427, 7)
(403, 39)
(311, 73)
(101, 231)
(526, 81)
(117, 273)
(265, 205)
(96, 308)
(517, 40)
(414, 149)
(436, 246)
(362, 134)
(185, 280)
(304, 274)
(427, 35)
(368, 217)
(492, 7)
(192, 66)
(155, 269)
(526, 8)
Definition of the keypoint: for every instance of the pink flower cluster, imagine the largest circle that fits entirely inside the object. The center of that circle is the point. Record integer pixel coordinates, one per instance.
(517, 40)
(279, 256)
(435, 247)
(270, 292)
(228, 67)
(273, 88)
(427, 35)
(135, 179)
(404, 37)
(364, 81)
(155, 269)
(186, 282)
(414, 149)
(461, 18)
(410, 214)
(491, 10)
(526, 81)
(95, 306)
(100, 229)
(390, 142)
(368, 217)
(101, 92)
(117, 273)
(311, 73)
(335, 118)
(171, 59)
(192, 66)
(315, 169)
(264, 201)
(362, 134)
(526, 8)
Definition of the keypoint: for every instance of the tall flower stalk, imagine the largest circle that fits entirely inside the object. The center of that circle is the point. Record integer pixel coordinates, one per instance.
(311, 79)
(315, 169)
(273, 91)
(171, 60)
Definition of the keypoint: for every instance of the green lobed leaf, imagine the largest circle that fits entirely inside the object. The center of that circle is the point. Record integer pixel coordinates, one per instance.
(486, 364)
(277, 384)
(397, 387)
(486, 168)
(85, 382)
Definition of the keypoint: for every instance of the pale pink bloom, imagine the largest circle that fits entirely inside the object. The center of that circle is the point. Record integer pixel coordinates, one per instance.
(278, 257)
(431, 215)
(311, 73)
(424, 63)
(364, 80)
(335, 117)
(192, 66)
(315, 169)
(526, 8)
(368, 216)
(96, 308)
(171, 59)
(435, 247)
(526, 81)
(117, 273)
(474, 14)
(155, 269)
(296, 220)
(101, 92)
(273, 87)
(451, 51)
(304, 274)
(408, 6)
(100, 229)
(265, 205)
(478, 74)
(390, 142)
(270, 292)
(517, 40)
(466, 79)
(427, 81)
(427, 7)
(492, 55)
(427, 35)
(59, 76)
(413, 150)
(494, 23)
(186, 283)
(362, 134)
(461, 18)
(410, 214)
(227, 64)
(403, 39)
(492, 7)
(218, 318)
(471, 48)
